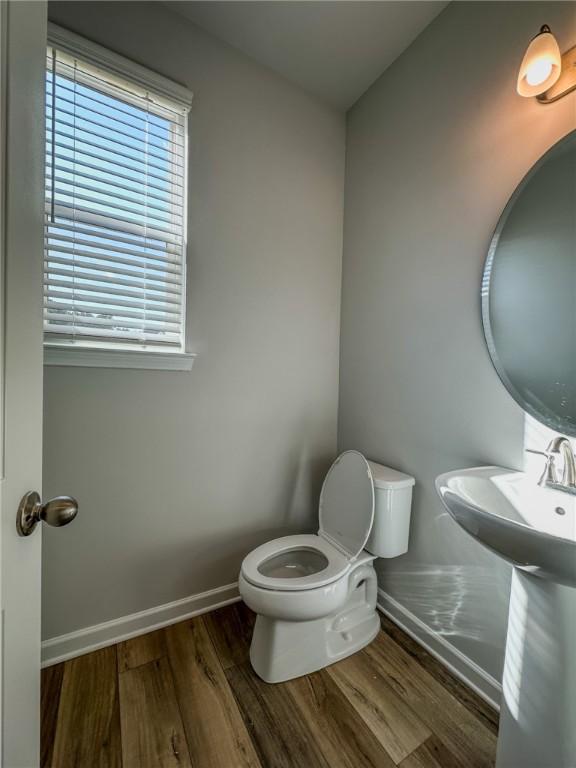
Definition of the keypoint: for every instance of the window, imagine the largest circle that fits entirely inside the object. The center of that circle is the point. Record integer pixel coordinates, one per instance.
(114, 260)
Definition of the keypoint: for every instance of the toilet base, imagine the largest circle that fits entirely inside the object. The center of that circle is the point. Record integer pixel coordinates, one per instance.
(282, 650)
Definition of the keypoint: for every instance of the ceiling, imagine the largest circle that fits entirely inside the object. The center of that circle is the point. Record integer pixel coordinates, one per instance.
(332, 48)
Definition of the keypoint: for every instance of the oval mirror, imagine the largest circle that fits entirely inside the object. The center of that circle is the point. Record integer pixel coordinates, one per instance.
(529, 291)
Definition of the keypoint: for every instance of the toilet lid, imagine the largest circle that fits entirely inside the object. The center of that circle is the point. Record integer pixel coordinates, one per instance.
(346, 509)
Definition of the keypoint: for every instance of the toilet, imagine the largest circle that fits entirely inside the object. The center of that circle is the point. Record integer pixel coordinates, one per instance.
(315, 594)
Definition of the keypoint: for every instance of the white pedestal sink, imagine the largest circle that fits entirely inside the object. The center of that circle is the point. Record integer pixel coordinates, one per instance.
(533, 528)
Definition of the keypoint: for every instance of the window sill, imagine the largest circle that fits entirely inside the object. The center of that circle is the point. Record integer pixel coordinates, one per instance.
(94, 357)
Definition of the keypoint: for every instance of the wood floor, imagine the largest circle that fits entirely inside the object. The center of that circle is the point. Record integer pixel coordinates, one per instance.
(187, 696)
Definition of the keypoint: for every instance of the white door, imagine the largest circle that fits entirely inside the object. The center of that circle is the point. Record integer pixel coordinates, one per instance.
(22, 56)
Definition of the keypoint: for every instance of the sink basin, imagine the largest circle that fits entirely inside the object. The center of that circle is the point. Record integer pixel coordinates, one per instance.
(534, 528)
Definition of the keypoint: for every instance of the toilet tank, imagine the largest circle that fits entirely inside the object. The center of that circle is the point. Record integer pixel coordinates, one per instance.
(392, 509)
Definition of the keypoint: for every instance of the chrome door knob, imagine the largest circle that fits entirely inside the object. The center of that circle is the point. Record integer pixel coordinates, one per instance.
(59, 511)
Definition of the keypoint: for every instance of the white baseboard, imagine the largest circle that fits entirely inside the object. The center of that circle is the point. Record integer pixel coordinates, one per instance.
(58, 649)
(456, 661)
(64, 647)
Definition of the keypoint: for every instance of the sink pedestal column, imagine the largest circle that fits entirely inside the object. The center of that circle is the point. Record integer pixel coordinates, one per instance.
(538, 713)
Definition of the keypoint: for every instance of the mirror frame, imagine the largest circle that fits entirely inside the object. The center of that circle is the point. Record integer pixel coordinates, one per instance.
(553, 422)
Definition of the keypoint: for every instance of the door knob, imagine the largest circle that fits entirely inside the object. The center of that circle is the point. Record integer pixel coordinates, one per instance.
(59, 511)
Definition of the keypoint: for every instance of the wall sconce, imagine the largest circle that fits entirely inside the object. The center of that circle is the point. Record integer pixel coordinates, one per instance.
(544, 73)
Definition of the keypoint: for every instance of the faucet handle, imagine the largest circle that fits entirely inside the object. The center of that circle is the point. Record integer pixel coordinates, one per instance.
(562, 445)
(549, 474)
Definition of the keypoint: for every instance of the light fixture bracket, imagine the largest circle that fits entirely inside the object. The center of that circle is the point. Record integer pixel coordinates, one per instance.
(565, 83)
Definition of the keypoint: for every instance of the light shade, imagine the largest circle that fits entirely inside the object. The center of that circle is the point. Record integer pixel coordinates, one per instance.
(541, 65)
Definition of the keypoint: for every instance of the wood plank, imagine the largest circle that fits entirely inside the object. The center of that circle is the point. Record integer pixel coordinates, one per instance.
(387, 705)
(386, 713)
(216, 734)
(432, 754)
(141, 650)
(51, 687)
(88, 730)
(473, 744)
(468, 698)
(469, 742)
(280, 734)
(152, 730)
(231, 630)
(342, 736)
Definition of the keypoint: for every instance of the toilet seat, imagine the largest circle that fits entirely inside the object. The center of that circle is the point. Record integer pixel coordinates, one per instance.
(337, 563)
(346, 514)
(346, 508)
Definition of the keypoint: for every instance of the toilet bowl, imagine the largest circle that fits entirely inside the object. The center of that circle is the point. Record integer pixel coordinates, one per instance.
(315, 594)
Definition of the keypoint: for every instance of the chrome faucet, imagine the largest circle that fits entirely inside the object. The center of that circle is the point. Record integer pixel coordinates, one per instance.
(549, 479)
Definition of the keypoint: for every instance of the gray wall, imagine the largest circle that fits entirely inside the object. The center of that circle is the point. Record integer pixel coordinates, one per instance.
(434, 150)
(179, 475)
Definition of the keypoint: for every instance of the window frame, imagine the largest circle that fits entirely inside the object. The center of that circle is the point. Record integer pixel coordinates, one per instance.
(119, 355)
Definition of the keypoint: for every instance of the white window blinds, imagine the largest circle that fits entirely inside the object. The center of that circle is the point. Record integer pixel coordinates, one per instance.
(114, 265)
